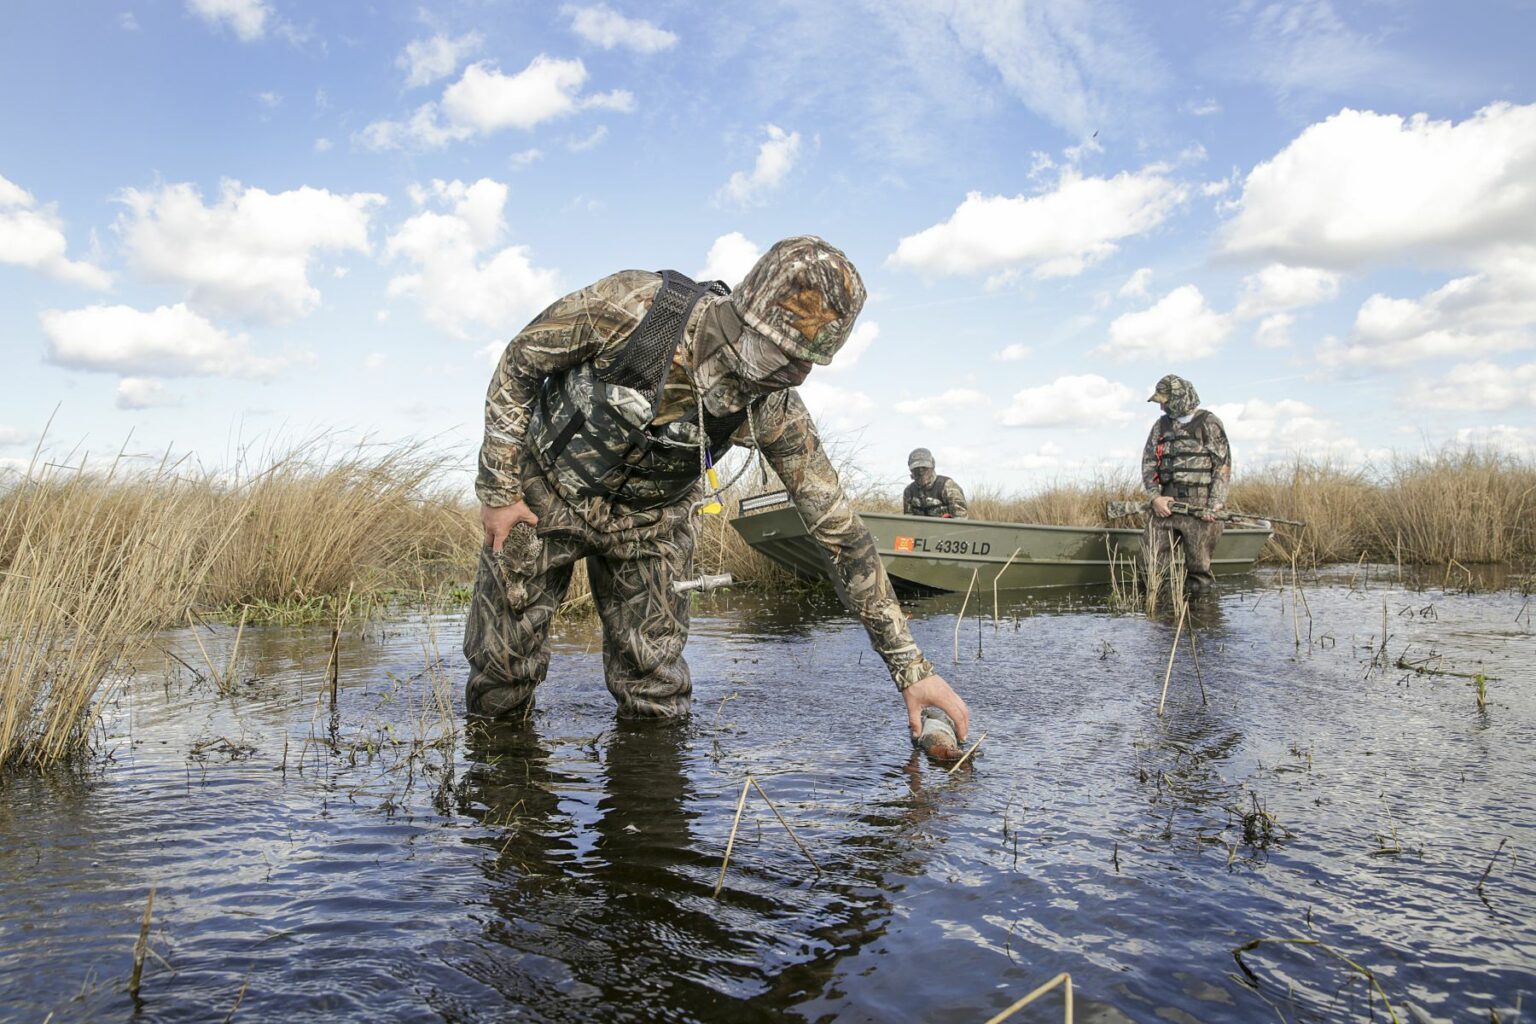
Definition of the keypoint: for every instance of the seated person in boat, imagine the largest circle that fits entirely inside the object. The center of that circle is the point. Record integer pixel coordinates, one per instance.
(1186, 458)
(601, 419)
(929, 494)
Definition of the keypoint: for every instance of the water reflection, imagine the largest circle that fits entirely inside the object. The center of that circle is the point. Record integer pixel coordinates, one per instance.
(609, 903)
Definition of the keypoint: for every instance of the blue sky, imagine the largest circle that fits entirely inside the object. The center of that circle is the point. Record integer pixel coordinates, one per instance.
(240, 220)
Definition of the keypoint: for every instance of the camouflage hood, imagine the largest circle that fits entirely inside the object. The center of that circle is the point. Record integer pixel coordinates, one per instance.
(803, 296)
(1176, 395)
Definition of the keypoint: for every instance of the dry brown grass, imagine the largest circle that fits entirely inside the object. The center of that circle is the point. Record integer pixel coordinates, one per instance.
(91, 562)
(1466, 505)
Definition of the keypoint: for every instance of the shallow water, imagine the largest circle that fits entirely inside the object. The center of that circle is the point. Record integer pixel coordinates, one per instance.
(357, 866)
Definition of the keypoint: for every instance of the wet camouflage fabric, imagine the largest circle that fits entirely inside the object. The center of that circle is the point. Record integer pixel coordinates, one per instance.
(588, 326)
(1197, 460)
(940, 497)
(1198, 539)
(1177, 396)
(803, 296)
(645, 625)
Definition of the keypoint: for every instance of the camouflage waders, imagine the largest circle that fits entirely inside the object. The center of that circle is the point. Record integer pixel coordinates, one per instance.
(645, 625)
(1198, 539)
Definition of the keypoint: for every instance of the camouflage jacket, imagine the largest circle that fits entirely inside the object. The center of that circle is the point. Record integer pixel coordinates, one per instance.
(589, 326)
(1181, 457)
(943, 497)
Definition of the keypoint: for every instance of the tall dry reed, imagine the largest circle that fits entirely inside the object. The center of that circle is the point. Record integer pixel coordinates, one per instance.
(90, 563)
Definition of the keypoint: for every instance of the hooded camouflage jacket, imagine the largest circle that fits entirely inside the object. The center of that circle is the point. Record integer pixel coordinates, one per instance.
(1178, 459)
(589, 327)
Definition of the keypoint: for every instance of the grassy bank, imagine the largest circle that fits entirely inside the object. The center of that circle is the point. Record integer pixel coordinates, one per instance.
(92, 562)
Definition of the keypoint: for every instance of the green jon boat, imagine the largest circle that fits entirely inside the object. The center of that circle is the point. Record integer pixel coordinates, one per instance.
(926, 555)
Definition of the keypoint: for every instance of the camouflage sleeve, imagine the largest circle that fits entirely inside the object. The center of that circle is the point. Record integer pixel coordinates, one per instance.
(788, 439)
(586, 325)
(1216, 441)
(954, 501)
(906, 501)
(1149, 465)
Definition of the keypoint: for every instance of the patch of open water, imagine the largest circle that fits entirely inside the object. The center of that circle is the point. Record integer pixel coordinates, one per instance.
(356, 866)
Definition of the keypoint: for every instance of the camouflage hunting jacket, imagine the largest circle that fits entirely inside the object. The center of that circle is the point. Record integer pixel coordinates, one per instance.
(1188, 461)
(942, 497)
(589, 327)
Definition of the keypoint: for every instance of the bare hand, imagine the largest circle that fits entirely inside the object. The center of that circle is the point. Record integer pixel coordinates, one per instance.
(499, 520)
(933, 691)
(1210, 516)
(1162, 506)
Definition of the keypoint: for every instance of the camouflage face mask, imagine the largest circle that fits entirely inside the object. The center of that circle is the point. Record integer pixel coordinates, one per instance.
(742, 366)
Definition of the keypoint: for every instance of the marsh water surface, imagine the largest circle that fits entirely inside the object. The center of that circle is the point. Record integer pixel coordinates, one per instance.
(371, 862)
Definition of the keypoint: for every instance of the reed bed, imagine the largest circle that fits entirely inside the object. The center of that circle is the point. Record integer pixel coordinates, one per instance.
(1456, 505)
(92, 561)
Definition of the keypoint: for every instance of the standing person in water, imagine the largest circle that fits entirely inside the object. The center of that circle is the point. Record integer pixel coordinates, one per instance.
(929, 494)
(1186, 458)
(599, 422)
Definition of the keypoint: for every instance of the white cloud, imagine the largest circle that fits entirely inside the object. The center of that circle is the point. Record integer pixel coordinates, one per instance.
(172, 341)
(863, 336)
(269, 99)
(1304, 46)
(246, 18)
(602, 26)
(32, 236)
(484, 101)
(127, 22)
(375, 360)
(729, 259)
(323, 145)
(775, 159)
(461, 278)
(1082, 401)
(1278, 287)
(1274, 331)
(1203, 107)
(1136, 286)
(1518, 441)
(424, 61)
(1179, 327)
(1012, 353)
(1264, 432)
(1486, 312)
(932, 411)
(591, 140)
(143, 393)
(248, 255)
(1078, 65)
(11, 435)
(1480, 386)
(837, 408)
(1059, 233)
(525, 158)
(1362, 187)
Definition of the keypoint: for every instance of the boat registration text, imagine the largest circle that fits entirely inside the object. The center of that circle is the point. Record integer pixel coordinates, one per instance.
(945, 546)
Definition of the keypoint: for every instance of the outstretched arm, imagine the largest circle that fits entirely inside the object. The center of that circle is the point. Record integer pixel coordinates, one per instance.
(789, 441)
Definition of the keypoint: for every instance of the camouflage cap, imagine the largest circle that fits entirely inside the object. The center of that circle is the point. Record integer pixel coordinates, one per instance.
(803, 295)
(920, 458)
(1177, 395)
